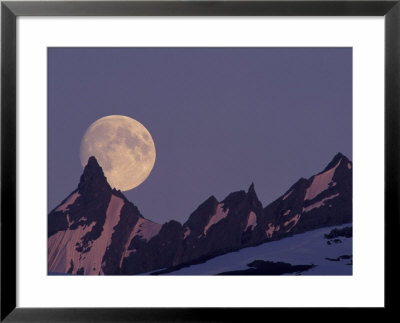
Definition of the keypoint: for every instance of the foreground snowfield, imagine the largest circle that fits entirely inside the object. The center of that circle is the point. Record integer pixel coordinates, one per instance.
(302, 249)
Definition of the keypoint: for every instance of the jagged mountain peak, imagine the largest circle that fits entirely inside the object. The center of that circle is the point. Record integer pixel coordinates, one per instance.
(210, 203)
(251, 189)
(252, 197)
(251, 192)
(119, 194)
(300, 181)
(338, 157)
(93, 178)
(234, 198)
(200, 216)
(93, 164)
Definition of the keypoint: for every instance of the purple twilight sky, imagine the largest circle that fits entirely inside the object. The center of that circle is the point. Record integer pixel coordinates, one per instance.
(221, 118)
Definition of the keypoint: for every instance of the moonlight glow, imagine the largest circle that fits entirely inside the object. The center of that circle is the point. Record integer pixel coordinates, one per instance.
(124, 149)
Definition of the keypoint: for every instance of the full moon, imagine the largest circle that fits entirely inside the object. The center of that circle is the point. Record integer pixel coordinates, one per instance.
(123, 148)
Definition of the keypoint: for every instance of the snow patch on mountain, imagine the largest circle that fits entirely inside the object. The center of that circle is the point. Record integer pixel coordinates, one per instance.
(95, 255)
(148, 229)
(112, 216)
(293, 220)
(218, 216)
(319, 203)
(134, 232)
(321, 183)
(61, 248)
(271, 229)
(287, 195)
(287, 212)
(143, 228)
(71, 200)
(251, 221)
(186, 233)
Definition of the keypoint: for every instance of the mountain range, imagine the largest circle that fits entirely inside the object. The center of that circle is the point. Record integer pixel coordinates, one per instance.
(97, 231)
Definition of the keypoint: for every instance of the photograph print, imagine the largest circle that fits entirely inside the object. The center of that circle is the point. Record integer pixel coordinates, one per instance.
(200, 161)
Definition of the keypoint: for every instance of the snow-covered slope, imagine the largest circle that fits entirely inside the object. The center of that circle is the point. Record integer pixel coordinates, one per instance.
(309, 248)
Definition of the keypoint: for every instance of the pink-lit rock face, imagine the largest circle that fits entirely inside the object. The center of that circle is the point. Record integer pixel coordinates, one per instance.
(71, 200)
(112, 218)
(251, 221)
(186, 233)
(133, 234)
(287, 195)
(293, 220)
(319, 203)
(271, 229)
(286, 213)
(321, 183)
(149, 229)
(62, 246)
(218, 216)
(348, 165)
(144, 229)
(61, 249)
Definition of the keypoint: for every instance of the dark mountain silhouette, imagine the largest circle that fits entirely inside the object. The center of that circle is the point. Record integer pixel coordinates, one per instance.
(97, 231)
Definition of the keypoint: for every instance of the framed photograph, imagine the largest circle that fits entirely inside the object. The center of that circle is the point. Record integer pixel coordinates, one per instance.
(172, 160)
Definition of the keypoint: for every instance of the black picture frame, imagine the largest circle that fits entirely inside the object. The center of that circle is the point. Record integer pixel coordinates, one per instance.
(10, 10)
